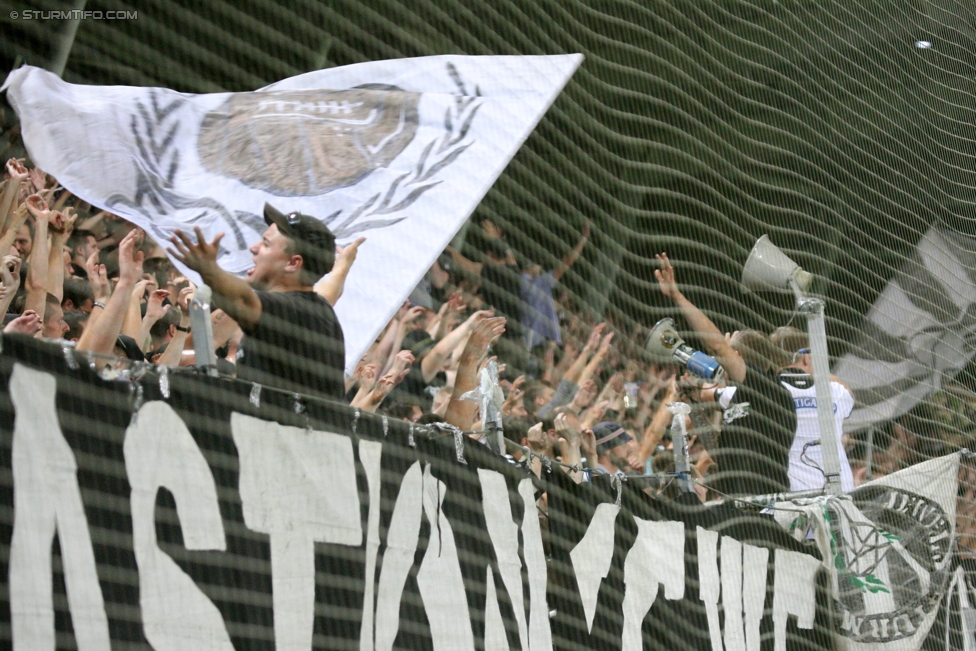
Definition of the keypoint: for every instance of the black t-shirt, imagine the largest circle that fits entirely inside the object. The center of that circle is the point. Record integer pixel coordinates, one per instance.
(758, 426)
(297, 345)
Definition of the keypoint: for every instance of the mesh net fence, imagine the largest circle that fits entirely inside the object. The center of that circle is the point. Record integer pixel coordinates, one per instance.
(842, 130)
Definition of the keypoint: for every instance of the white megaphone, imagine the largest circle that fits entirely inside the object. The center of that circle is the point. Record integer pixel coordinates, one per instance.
(664, 341)
(769, 268)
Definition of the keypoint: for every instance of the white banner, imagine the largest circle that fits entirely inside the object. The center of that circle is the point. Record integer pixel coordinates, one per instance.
(920, 332)
(399, 151)
(888, 547)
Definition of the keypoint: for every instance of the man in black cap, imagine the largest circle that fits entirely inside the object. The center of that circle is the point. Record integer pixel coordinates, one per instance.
(293, 339)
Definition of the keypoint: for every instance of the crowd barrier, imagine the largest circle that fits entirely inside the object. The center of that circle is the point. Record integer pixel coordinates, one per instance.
(181, 511)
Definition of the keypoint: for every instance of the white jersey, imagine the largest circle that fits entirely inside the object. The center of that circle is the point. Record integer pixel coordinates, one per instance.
(805, 466)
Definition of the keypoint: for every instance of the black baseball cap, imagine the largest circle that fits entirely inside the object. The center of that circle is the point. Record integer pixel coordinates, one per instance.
(313, 239)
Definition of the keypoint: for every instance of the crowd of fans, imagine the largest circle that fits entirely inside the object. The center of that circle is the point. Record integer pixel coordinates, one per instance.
(578, 390)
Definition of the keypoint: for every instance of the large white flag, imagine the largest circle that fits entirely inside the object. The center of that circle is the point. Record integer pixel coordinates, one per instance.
(920, 332)
(888, 548)
(399, 151)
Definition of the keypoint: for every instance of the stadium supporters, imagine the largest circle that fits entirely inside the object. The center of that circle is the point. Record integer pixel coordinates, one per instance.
(759, 421)
(294, 340)
(539, 318)
(806, 471)
(576, 385)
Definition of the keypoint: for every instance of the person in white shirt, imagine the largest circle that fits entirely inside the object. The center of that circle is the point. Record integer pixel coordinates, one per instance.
(805, 469)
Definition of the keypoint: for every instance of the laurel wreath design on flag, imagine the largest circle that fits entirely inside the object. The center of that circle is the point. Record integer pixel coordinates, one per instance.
(410, 186)
(155, 127)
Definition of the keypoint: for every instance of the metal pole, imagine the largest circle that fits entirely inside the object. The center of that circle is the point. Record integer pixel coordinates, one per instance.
(869, 455)
(813, 309)
(67, 40)
(679, 443)
(203, 339)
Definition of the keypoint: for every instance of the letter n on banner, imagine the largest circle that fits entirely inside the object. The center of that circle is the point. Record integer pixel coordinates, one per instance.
(47, 499)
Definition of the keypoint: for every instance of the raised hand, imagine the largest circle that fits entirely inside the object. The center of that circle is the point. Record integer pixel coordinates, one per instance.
(11, 270)
(480, 316)
(28, 323)
(567, 426)
(539, 441)
(130, 258)
(366, 376)
(456, 304)
(403, 360)
(346, 255)
(595, 413)
(16, 170)
(413, 314)
(491, 230)
(665, 277)
(201, 256)
(605, 345)
(38, 208)
(98, 279)
(484, 333)
(38, 179)
(585, 395)
(67, 224)
(155, 310)
(549, 357)
(588, 443)
(383, 387)
(594, 341)
(183, 301)
(402, 311)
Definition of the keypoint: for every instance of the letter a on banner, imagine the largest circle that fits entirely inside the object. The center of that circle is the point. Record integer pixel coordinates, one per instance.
(47, 499)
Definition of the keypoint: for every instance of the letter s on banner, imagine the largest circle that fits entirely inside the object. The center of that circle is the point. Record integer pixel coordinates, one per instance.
(160, 453)
(47, 499)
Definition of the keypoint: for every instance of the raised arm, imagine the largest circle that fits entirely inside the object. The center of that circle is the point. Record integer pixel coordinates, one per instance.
(331, 285)
(132, 321)
(596, 360)
(462, 413)
(431, 363)
(467, 264)
(101, 288)
(10, 270)
(18, 174)
(55, 260)
(231, 294)
(409, 317)
(658, 425)
(100, 337)
(573, 255)
(711, 337)
(36, 284)
(174, 351)
(16, 222)
(449, 316)
(575, 371)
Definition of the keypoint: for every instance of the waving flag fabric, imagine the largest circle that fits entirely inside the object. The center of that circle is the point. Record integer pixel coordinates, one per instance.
(399, 151)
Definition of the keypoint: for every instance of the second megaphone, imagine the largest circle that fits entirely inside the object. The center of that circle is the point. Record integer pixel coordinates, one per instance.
(665, 341)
